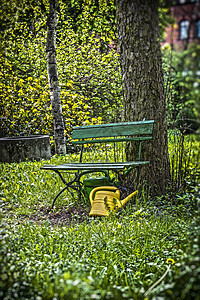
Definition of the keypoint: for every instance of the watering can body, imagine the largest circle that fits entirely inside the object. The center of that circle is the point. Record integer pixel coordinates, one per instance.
(106, 199)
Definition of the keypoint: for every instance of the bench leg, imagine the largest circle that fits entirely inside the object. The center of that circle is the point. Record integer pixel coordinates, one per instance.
(67, 185)
(123, 184)
(54, 200)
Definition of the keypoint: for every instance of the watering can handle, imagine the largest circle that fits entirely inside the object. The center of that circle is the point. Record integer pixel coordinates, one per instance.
(107, 188)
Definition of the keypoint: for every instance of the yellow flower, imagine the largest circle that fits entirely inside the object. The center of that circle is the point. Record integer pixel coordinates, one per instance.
(21, 81)
(119, 226)
(170, 261)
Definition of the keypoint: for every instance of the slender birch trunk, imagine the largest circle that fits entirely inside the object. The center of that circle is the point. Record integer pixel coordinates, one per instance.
(58, 122)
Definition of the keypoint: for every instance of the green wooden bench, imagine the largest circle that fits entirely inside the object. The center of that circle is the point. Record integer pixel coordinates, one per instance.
(103, 134)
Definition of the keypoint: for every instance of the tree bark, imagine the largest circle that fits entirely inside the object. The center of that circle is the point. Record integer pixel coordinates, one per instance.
(143, 84)
(59, 134)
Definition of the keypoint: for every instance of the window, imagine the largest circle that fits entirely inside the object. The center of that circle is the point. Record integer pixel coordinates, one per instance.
(185, 1)
(197, 29)
(184, 29)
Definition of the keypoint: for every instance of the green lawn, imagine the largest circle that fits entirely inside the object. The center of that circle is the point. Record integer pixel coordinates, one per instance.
(119, 257)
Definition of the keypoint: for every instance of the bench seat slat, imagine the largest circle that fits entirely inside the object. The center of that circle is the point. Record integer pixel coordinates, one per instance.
(95, 166)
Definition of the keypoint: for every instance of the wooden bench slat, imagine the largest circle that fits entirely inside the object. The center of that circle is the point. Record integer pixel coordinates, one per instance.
(94, 166)
(139, 138)
(113, 130)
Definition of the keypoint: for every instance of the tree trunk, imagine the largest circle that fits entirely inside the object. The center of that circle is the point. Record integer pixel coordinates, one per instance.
(143, 84)
(59, 134)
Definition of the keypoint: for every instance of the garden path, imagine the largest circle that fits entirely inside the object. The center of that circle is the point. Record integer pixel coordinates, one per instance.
(59, 217)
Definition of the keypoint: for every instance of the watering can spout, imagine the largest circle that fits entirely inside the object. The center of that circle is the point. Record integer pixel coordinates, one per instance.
(124, 201)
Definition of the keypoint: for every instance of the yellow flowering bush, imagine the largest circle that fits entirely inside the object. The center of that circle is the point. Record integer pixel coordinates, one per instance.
(89, 78)
(26, 105)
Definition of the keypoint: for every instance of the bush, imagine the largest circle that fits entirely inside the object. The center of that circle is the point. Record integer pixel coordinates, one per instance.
(90, 79)
(182, 86)
(186, 121)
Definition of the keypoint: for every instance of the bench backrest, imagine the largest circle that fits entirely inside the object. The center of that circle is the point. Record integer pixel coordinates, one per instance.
(113, 132)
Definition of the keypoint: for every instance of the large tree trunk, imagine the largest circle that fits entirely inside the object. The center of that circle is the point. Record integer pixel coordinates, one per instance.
(59, 135)
(143, 85)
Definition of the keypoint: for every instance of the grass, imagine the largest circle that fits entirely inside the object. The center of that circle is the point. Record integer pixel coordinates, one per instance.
(119, 257)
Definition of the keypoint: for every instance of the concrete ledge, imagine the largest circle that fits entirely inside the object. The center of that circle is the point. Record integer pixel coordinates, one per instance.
(17, 149)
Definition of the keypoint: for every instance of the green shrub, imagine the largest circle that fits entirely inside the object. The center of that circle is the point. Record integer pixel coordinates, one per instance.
(186, 121)
(182, 81)
(90, 79)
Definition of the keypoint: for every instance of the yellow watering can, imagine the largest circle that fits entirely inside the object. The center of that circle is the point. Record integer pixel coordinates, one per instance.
(105, 199)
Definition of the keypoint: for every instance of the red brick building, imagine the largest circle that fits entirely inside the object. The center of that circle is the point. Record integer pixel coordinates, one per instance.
(186, 28)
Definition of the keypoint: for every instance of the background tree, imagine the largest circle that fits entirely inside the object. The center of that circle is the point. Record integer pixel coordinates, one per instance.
(59, 131)
(143, 84)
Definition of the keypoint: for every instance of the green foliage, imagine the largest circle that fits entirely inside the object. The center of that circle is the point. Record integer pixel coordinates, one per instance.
(182, 81)
(164, 16)
(99, 15)
(184, 158)
(25, 11)
(183, 282)
(88, 70)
